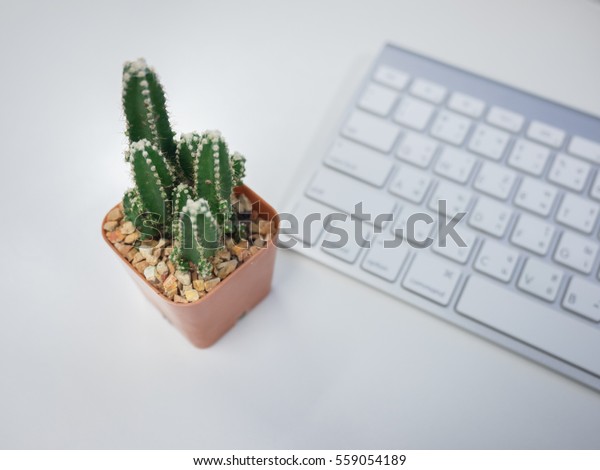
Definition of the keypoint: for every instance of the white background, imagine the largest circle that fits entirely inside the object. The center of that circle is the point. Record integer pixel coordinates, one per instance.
(323, 362)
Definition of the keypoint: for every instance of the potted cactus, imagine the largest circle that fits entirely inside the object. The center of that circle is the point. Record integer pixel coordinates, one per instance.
(196, 240)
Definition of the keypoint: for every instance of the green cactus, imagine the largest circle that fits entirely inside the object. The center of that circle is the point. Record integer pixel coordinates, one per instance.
(145, 108)
(181, 196)
(153, 178)
(238, 167)
(213, 174)
(185, 188)
(135, 212)
(186, 151)
(200, 235)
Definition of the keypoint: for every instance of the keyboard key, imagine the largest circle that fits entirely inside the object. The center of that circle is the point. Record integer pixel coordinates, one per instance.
(546, 134)
(569, 172)
(428, 90)
(385, 262)
(497, 260)
(417, 149)
(419, 229)
(370, 130)
(576, 252)
(505, 119)
(536, 196)
(466, 104)
(540, 279)
(310, 216)
(528, 156)
(378, 99)
(343, 193)
(455, 164)
(531, 322)
(495, 180)
(578, 213)
(410, 183)
(391, 77)
(432, 278)
(583, 297)
(595, 191)
(450, 127)
(585, 148)
(452, 250)
(490, 216)
(358, 161)
(489, 141)
(347, 238)
(413, 113)
(457, 198)
(533, 234)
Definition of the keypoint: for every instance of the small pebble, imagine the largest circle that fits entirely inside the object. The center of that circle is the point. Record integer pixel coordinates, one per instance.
(242, 254)
(226, 268)
(127, 228)
(131, 255)
(114, 214)
(124, 249)
(199, 285)
(170, 281)
(111, 225)
(264, 227)
(179, 299)
(211, 283)
(192, 295)
(162, 268)
(184, 278)
(137, 258)
(115, 236)
(258, 241)
(150, 273)
(141, 266)
(244, 204)
(146, 250)
(152, 260)
(132, 238)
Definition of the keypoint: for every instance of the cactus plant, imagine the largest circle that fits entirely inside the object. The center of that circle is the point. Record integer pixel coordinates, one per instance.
(145, 108)
(183, 189)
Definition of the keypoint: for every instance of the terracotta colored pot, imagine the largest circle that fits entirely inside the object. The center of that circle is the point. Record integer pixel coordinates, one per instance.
(206, 320)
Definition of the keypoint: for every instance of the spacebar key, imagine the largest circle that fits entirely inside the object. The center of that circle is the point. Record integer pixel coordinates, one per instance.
(531, 322)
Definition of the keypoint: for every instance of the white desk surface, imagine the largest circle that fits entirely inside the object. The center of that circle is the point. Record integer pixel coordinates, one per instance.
(323, 362)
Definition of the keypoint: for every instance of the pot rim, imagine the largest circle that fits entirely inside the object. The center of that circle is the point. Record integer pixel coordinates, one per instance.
(269, 246)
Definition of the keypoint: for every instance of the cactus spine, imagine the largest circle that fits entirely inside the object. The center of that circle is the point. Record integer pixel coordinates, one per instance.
(184, 186)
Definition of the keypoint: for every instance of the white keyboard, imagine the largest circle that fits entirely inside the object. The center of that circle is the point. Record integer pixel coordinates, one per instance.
(525, 172)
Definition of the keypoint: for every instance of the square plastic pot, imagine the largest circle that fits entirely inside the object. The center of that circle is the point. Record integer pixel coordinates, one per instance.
(205, 321)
